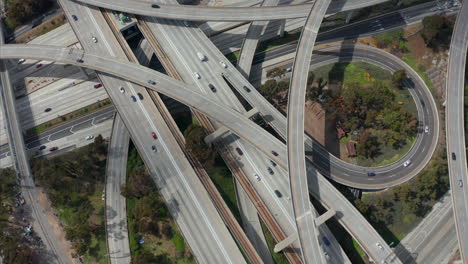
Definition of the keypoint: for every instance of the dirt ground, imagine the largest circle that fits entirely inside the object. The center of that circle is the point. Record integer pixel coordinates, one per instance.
(55, 224)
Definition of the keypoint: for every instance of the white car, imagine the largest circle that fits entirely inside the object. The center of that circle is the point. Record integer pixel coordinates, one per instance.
(89, 137)
(426, 129)
(406, 163)
(223, 64)
(197, 75)
(94, 39)
(21, 61)
(122, 90)
(380, 246)
(257, 177)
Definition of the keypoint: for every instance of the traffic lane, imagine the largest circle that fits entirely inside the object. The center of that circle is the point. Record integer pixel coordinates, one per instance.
(61, 131)
(172, 168)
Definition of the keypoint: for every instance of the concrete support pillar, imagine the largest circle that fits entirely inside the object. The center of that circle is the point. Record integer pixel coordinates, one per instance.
(283, 244)
(281, 28)
(321, 219)
(348, 16)
(220, 131)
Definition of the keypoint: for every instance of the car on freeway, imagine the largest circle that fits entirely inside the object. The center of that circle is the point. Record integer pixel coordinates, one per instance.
(38, 65)
(257, 177)
(326, 255)
(94, 39)
(151, 82)
(326, 241)
(278, 193)
(89, 137)
(212, 87)
(155, 6)
(21, 61)
(133, 98)
(48, 109)
(460, 183)
(239, 151)
(153, 148)
(154, 135)
(274, 153)
(426, 129)
(454, 157)
(223, 64)
(79, 61)
(247, 89)
(53, 148)
(273, 163)
(121, 89)
(407, 163)
(270, 171)
(75, 17)
(97, 85)
(197, 75)
(140, 96)
(42, 147)
(370, 173)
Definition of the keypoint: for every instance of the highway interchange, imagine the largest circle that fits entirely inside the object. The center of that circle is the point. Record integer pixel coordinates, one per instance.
(246, 129)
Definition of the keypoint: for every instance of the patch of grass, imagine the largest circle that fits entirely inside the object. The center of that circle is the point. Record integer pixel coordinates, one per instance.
(233, 57)
(411, 61)
(224, 182)
(352, 72)
(278, 258)
(87, 110)
(178, 241)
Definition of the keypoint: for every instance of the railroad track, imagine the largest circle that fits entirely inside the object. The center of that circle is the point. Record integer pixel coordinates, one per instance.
(224, 211)
(265, 214)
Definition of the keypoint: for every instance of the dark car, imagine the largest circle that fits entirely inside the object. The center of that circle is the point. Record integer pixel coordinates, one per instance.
(79, 61)
(213, 89)
(133, 98)
(270, 171)
(38, 65)
(153, 148)
(42, 147)
(239, 151)
(47, 109)
(454, 157)
(75, 17)
(154, 135)
(278, 194)
(370, 174)
(326, 241)
(247, 89)
(97, 85)
(151, 82)
(140, 96)
(274, 153)
(53, 148)
(273, 163)
(155, 6)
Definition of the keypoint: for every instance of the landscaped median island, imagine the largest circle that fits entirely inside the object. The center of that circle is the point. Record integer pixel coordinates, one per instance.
(153, 235)
(74, 184)
(365, 114)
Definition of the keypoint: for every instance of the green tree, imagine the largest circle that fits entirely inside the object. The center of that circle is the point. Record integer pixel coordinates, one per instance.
(436, 32)
(398, 78)
(368, 145)
(195, 142)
